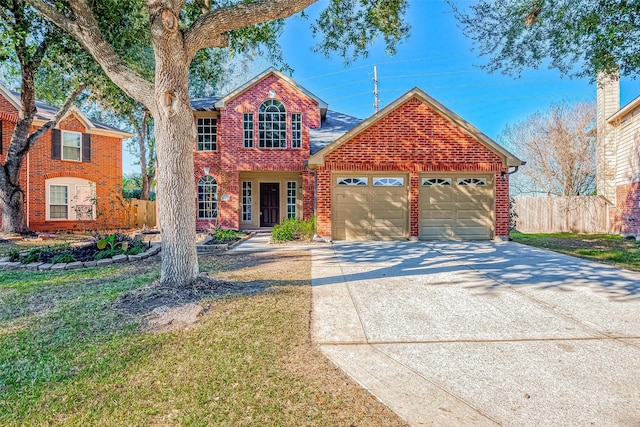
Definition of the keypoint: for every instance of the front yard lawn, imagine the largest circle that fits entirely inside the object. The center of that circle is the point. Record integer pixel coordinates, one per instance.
(607, 248)
(78, 348)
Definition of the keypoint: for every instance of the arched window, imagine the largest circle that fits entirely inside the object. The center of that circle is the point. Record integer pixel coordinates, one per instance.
(272, 125)
(207, 198)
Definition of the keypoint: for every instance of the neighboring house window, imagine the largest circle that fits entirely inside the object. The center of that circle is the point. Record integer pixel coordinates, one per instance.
(472, 181)
(246, 200)
(291, 199)
(296, 130)
(388, 182)
(272, 125)
(207, 198)
(58, 202)
(247, 128)
(427, 182)
(353, 181)
(206, 136)
(70, 199)
(73, 146)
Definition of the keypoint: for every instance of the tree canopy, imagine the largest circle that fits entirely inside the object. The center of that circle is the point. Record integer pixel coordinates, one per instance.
(578, 37)
(177, 30)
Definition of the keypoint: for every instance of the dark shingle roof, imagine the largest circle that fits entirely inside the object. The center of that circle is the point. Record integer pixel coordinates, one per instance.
(333, 127)
(205, 104)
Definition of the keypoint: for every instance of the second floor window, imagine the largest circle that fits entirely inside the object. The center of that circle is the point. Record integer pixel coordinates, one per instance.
(206, 136)
(71, 146)
(296, 130)
(272, 125)
(247, 128)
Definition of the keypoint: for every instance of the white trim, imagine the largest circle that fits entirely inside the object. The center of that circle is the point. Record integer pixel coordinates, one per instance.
(72, 184)
(62, 133)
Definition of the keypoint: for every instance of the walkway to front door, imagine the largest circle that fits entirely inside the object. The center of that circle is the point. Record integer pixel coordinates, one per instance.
(269, 204)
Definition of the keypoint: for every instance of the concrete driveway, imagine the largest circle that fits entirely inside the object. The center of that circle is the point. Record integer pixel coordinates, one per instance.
(461, 333)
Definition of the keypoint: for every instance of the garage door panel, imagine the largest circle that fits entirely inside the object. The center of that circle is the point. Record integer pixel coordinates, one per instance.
(456, 211)
(371, 212)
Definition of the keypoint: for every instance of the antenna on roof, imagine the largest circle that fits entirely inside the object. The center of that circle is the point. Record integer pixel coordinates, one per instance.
(375, 88)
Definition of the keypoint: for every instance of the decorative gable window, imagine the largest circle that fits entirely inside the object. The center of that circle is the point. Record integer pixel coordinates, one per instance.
(353, 181)
(247, 130)
(206, 135)
(272, 124)
(207, 198)
(472, 181)
(296, 130)
(427, 182)
(388, 182)
(72, 146)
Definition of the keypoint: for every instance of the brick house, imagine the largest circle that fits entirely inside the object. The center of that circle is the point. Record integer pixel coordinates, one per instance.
(618, 156)
(72, 176)
(415, 170)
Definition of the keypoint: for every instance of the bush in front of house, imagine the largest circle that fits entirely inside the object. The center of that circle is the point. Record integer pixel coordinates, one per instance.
(294, 229)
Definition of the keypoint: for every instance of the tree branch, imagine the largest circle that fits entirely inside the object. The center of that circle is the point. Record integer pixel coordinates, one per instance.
(210, 29)
(58, 116)
(84, 28)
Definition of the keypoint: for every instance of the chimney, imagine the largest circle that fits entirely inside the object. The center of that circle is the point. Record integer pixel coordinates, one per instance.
(607, 104)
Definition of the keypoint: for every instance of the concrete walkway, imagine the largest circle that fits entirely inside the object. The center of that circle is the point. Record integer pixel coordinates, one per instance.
(461, 333)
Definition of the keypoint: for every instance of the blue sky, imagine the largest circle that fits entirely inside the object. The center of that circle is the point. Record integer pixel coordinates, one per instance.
(438, 59)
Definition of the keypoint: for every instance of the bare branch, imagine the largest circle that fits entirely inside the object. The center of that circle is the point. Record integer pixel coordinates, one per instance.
(58, 116)
(84, 28)
(210, 29)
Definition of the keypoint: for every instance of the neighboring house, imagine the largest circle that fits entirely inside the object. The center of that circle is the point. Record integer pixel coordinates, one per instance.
(72, 177)
(415, 170)
(618, 156)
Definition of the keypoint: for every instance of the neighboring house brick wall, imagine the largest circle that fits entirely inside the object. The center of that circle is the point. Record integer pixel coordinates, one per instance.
(415, 139)
(104, 169)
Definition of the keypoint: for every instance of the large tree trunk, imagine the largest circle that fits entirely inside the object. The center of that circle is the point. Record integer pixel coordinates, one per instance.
(13, 215)
(175, 136)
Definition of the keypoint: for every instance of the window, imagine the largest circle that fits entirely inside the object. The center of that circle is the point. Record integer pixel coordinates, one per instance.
(353, 181)
(472, 181)
(206, 136)
(246, 200)
(435, 181)
(70, 198)
(296, 130)
(207, 198)
(291, 199)
(247, 127)
(272, 125)
(58, 202)
(71, 146)
(388, 182)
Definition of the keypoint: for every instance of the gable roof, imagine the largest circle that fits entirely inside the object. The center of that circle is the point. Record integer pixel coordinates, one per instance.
(46, 112)
(621, 113)
(220, 103)
(509, 159)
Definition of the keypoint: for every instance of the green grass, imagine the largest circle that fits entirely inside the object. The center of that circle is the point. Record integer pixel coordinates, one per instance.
(68, 358)
(607, 248)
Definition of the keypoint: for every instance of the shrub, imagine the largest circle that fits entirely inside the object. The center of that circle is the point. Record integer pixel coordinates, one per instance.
(32, 256)
(107, 253)
(137, 247)
(224, 236)
(13, 255)
(63, 258)
(294, 229)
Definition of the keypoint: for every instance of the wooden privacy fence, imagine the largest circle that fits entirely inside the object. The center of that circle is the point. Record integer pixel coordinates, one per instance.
(139, 213)
(577, 214)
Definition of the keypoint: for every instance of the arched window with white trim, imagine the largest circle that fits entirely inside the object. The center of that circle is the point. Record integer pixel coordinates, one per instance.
(207, 198)
(272, 124)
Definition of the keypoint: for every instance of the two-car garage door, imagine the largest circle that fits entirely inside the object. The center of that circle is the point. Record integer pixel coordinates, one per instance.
(377, 207)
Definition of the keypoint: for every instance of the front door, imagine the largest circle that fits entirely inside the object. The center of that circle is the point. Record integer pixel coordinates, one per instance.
(269, 204)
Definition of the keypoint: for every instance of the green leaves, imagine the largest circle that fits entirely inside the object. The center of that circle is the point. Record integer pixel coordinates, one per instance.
(578, 37)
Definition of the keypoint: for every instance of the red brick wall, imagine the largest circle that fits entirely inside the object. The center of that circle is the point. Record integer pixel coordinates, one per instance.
(626, 220)
(105, 170)
(414, 139)
(231, 157)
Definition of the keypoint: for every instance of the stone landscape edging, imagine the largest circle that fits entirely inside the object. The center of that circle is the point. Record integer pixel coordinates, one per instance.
(203, 248)
(117, 259)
